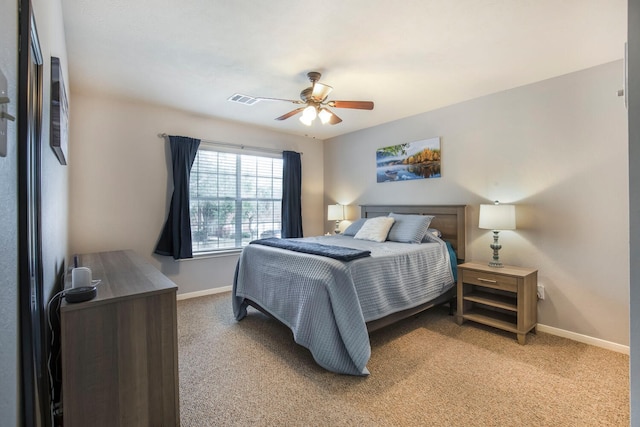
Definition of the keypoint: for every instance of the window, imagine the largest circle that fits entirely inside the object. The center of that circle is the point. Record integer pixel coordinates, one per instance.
(234, 198)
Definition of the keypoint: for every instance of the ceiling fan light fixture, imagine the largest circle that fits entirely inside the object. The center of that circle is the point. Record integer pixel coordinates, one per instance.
(306, 120)
(310, 112)
(313, 100)
(325, 115)
(320, 91)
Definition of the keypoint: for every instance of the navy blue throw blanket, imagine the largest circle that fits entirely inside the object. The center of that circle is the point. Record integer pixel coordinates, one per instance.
(335, 252)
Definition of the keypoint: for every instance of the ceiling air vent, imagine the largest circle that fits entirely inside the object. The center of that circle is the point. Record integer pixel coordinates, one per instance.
(242, 99)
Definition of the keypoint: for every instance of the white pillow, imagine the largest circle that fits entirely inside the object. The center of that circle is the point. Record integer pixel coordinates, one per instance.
(375, 229)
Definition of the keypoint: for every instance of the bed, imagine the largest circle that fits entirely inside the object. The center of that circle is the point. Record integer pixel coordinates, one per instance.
(332, 305)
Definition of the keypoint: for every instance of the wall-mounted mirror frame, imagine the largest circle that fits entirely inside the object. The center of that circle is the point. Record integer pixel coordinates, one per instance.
(33, 379)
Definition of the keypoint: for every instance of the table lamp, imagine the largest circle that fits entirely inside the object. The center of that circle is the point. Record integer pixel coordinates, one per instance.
(497, 217)
(335, 213)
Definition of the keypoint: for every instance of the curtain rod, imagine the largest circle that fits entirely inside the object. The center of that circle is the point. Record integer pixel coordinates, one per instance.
(241, 146)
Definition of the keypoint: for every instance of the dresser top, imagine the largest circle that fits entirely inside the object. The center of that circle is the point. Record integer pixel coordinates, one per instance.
(122, 274)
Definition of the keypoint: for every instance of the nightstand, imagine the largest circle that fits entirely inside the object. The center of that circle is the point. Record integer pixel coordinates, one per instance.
(505, 298)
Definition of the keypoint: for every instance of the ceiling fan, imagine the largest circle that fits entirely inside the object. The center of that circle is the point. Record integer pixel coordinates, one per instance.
(315, 100)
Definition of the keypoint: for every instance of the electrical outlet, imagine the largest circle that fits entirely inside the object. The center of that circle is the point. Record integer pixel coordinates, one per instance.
(540, 291)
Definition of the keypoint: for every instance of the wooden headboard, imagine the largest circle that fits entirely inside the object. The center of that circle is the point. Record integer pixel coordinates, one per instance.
(449, 219)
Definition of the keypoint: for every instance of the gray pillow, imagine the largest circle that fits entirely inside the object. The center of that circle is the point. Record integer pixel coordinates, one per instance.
(354, 227)
(409, 228)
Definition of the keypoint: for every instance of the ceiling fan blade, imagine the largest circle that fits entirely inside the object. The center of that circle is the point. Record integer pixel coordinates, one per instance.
(359, 105)
(290, 113)
(279, 99)
(334, 119)
(320, 91)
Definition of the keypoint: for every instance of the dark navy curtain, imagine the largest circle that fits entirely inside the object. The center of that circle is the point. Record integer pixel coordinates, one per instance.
(291, 192)
(176, 236)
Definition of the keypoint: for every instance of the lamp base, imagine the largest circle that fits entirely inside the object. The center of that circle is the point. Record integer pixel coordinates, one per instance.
(496, 263)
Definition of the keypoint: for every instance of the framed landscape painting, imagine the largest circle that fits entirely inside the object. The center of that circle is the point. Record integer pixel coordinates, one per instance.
(409, 161)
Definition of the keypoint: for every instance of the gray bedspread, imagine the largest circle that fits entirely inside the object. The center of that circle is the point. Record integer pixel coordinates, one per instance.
(326, 302)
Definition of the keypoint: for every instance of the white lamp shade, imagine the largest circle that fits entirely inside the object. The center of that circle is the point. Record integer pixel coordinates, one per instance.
(335, 212)
(325, 115)
(320, 91)
(310, 112)
(306, 120)
(497, 217)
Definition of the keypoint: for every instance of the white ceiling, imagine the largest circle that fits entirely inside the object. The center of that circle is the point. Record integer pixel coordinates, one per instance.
(407, 56)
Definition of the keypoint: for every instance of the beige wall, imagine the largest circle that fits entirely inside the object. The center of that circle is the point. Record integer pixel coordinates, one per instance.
(119, 180)
(558, 149)
(54, 192)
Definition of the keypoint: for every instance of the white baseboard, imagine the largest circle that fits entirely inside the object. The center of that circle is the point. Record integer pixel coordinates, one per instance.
(584, 339)
(211, 291)
(597, 342)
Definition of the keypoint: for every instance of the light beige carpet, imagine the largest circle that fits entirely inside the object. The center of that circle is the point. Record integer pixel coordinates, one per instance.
(425, 371)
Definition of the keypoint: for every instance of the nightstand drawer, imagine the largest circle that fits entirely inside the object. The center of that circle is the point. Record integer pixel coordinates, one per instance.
(489, 280)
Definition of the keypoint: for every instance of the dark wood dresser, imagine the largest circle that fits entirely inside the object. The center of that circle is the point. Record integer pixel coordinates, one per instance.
(120, 350)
